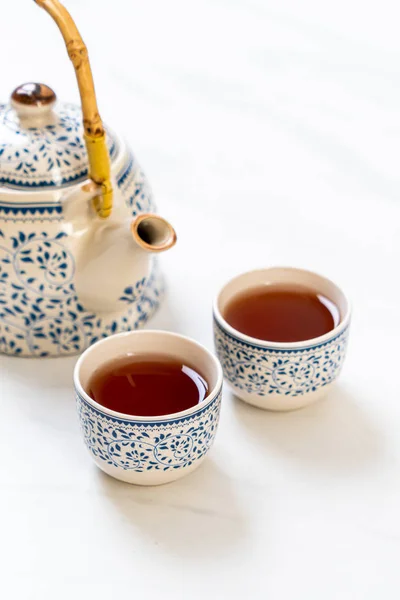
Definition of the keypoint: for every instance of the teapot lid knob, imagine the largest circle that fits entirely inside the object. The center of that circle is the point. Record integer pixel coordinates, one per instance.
(31, 98)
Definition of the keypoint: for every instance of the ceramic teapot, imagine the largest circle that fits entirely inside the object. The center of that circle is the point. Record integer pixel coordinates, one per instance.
(78, 232)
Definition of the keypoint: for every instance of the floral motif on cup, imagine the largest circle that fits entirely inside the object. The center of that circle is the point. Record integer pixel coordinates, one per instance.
(144, 446)
(262, 371)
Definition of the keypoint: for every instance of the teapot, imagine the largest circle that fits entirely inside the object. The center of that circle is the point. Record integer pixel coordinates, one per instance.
(78, 228)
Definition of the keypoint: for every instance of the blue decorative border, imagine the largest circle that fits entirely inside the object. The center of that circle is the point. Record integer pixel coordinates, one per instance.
(156, 423)
(279, 350)
(12, 183)
(65, 182)
(30, 208)
(47, 208)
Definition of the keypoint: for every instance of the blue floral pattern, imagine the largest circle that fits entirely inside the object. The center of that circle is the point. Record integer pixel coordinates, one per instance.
(40, 312)
(148, 446)
(42, 319)
(42, 264)
(53, 155)
(133, 293)
(262, 371)
(133, 181)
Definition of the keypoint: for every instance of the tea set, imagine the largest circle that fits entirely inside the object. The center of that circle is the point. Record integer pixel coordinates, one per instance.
(79, 237)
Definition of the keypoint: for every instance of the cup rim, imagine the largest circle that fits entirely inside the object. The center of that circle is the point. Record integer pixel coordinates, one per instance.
(165, 417)
(316, 341)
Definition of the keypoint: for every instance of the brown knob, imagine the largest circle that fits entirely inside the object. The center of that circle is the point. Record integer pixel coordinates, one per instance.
(33, 94)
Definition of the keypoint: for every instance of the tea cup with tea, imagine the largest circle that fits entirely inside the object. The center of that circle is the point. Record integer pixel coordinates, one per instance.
(281, 336)
(119, 375)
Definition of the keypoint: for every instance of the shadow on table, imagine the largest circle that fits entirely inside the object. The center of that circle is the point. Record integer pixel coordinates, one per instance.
(194, 517)
(333, 435)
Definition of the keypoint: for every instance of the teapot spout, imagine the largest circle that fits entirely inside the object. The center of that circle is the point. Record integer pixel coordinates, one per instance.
(114, 255)
(153, 233)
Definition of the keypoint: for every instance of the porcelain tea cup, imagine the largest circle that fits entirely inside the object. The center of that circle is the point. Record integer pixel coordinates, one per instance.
(280, 375)
(148, 450)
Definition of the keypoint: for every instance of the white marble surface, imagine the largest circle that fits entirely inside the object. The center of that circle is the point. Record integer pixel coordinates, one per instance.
(271, 134)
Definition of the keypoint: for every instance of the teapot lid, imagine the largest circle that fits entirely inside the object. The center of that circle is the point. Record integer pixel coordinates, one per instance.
(41, 141)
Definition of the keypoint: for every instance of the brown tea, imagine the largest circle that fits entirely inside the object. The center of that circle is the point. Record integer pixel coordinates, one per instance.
(282, 313)
(147, 385)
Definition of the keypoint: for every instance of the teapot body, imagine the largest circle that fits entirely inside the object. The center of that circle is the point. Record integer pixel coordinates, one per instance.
(41, 313)
(66, 279)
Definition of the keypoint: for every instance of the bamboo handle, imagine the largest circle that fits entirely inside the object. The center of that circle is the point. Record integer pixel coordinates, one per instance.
(94, 134)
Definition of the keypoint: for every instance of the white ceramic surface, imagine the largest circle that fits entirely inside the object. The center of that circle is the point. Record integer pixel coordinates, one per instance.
(280, 375)
(148, 450)
(270, 130)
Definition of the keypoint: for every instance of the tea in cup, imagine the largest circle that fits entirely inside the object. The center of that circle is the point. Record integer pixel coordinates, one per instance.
(281, 335)
(148, 404)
